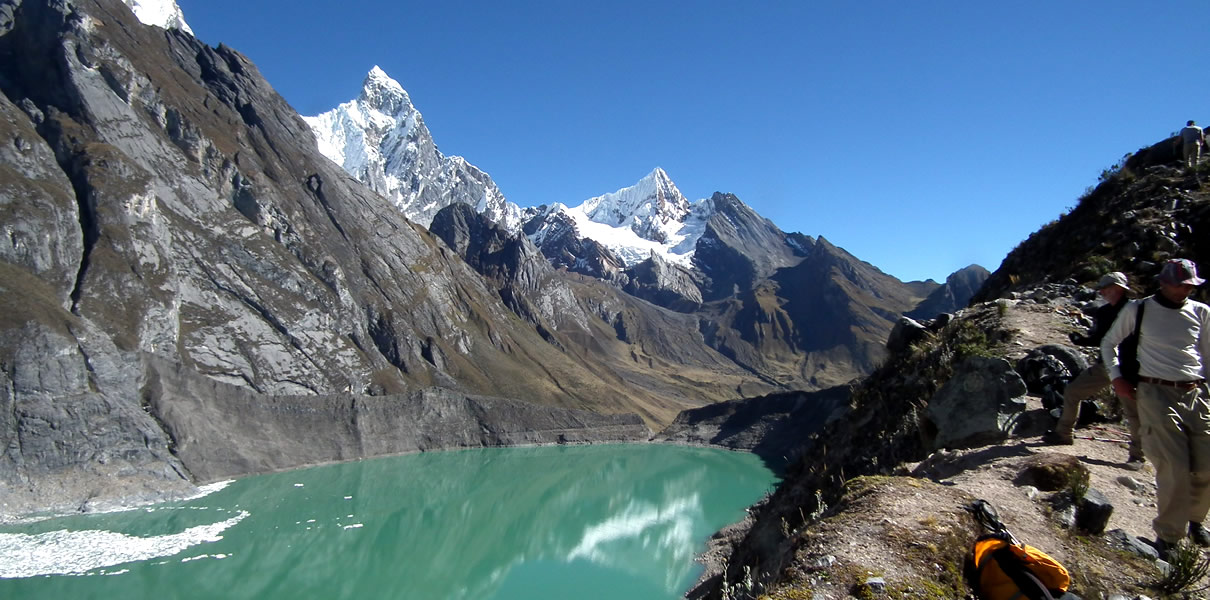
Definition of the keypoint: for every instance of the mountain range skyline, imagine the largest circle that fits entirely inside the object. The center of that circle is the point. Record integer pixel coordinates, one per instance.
(831, 120)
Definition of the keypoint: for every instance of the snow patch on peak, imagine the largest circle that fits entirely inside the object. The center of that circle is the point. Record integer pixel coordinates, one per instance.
(650, 217)
(164, 14)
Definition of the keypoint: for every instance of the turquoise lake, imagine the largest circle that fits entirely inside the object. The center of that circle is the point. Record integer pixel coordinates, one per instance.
(592, 522)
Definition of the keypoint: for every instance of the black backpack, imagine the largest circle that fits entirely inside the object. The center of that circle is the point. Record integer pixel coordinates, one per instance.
(1128, 350)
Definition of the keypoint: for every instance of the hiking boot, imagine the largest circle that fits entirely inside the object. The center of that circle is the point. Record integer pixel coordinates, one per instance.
(1163, 548)
(1134, 463)
(1199, 535)
(1055, 438)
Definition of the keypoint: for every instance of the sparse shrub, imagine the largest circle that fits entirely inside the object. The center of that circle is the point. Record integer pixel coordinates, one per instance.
(1099, 265)
(1077, 484)
(1113, 170)
(1187, 569)
(969, 340)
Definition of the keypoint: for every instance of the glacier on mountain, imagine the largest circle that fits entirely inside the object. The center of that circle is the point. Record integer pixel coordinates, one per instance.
(164, 14)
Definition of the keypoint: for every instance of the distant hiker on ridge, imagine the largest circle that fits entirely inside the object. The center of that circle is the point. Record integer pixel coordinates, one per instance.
(1172, 398)
(1113, 290)
(1192, 138)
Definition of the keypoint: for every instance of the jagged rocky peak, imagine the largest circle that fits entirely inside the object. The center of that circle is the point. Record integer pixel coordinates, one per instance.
(380, 92)
(653, 208)
(380, 138)
(161, 13)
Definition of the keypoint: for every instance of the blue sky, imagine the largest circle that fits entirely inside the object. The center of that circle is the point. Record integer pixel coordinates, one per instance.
(919, 136)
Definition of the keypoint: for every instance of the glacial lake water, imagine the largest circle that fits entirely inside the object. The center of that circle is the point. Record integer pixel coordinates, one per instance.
(585, 522)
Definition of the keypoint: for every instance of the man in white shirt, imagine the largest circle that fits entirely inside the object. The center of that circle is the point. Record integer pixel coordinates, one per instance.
(1192, 138)
(1172, 398)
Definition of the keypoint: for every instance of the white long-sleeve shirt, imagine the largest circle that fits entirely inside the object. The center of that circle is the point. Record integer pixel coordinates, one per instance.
(1174, 342)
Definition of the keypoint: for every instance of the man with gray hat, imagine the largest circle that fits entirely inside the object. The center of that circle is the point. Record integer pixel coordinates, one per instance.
(1172, 398)
(1113, 289)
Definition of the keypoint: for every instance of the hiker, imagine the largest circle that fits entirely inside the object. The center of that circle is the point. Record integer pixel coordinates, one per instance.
(1113, 289)
(1172, 398)
(1192, 138)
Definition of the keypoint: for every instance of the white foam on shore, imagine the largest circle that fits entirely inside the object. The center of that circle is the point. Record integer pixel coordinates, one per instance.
(73, 552)
(210, 488)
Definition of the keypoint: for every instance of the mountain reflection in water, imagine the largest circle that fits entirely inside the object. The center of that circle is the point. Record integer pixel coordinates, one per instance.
(487, 523)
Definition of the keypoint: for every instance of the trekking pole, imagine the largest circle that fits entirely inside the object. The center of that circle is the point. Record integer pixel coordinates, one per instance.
(1099, 439)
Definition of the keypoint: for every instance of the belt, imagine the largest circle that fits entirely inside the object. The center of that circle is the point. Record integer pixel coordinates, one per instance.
(1183, 385)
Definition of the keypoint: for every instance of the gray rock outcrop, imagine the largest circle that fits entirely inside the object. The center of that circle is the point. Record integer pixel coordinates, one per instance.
(905, 333)
(978, 405)
(664, 284)
(774, 427)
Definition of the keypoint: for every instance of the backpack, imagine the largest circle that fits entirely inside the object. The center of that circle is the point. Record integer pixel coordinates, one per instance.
(1128, 350)
(1000, 567)
(1004, 570)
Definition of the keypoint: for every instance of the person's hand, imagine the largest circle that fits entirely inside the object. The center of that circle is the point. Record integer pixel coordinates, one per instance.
(1123, 389)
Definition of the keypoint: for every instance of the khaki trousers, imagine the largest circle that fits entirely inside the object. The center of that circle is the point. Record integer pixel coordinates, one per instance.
(1193, 153)
(1176, 435)
(1090, 381)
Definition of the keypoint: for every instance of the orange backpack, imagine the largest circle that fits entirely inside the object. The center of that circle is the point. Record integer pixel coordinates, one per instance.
(1000, 567)
(1004, 570)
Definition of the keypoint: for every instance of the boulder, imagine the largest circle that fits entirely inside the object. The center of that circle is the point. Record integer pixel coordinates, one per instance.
(1051, 472)
(1093, 512)
(978, 405)
(906, 332)
(1119, 538)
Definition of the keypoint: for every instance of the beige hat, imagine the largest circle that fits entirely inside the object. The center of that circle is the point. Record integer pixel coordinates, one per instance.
(1115, 278)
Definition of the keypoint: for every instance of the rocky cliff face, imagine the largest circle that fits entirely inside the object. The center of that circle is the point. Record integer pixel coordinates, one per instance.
(160, 200)
(211, 423)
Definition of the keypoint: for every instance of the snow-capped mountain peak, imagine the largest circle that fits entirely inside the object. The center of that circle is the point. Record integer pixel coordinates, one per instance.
(649, 217)
(161, 13)
(384, 94)
(651, 207)
(381, 139)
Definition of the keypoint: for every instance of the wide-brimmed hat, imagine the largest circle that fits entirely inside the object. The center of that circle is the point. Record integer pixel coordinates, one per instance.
(1179, 271)
(1115, 278)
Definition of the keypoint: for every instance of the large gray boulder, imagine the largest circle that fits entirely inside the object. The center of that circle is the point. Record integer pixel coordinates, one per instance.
(905, 333)
(978, 405)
